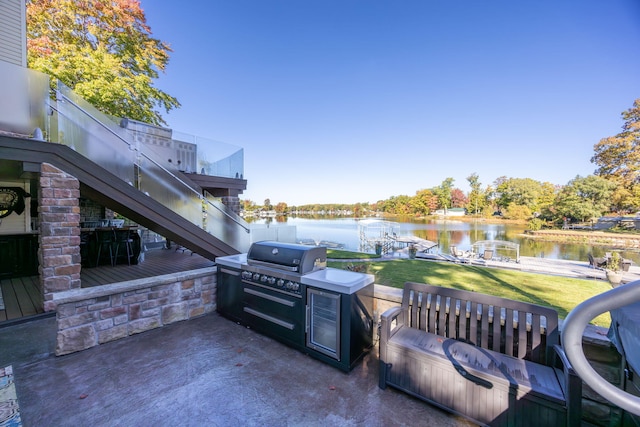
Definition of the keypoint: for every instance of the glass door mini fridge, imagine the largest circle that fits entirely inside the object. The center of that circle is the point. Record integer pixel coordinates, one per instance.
(323, 316)
(339, 326)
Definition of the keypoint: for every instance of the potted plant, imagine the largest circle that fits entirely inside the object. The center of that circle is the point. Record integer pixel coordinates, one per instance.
(412, 251)
(614, 269)
(378, 248)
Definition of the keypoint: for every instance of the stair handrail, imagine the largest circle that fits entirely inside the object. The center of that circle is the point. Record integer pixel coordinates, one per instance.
(131, 146)
(572, 332)
(221, 207)
(141, 153)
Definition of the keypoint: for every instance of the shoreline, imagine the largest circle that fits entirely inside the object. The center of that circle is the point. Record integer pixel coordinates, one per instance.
(627, 241)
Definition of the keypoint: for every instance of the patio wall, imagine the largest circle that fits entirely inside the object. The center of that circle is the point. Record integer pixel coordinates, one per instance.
(91, 316)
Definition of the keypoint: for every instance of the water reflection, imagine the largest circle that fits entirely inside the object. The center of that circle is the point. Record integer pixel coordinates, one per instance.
(462, 234)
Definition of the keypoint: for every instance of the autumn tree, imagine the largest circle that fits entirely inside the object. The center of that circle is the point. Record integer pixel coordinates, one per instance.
(281, 208)
(247, 205)
(618, 159)
(521, 191)
(458, 198)
(423, 202)
(476, 197)
(443, 193)
(103, 51)
(584, 198)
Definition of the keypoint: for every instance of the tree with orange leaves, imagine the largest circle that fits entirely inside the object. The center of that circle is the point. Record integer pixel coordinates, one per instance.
(618, 159)
(103, 50)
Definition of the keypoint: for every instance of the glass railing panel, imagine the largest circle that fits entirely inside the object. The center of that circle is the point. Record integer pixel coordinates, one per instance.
(226, 225)
(24, 100)
(280, 233)
(94, 135)
(164, 187)
(215, 158)
(101, 139)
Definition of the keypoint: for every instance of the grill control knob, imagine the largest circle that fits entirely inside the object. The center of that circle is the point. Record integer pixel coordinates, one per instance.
(281, 283)
(256, 276)
(295, 287)
(263, 278)
(271, 280)
(289, 285)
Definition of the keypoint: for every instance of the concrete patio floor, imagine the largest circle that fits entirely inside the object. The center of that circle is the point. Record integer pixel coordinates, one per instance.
(202, 372)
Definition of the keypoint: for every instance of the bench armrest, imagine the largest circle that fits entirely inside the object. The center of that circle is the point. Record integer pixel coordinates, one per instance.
(390, 321)
(571, 385)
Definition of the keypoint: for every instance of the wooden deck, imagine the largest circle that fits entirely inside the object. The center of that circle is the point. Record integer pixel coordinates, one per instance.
(156, 263)
(23, 299)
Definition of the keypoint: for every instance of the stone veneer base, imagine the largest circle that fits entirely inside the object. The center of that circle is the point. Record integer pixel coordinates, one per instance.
(87, 317)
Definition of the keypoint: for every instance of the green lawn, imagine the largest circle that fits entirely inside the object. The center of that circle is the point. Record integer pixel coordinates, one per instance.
(561, 293)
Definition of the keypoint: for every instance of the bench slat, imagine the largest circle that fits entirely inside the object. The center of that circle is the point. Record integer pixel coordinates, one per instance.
(462, 322)
(536, 340)
(442, 316)
(522, 335)
(484, 327)
(496, 334)
(508, 329)
(473, 323)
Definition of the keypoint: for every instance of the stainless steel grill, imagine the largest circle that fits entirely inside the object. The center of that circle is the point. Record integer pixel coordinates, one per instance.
(286, 291)
(288, 257)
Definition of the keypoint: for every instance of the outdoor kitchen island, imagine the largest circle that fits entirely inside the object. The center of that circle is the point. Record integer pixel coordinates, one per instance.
(285, 291)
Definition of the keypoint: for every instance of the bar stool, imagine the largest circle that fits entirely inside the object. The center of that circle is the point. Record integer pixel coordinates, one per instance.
(123, 238)
(105, 239)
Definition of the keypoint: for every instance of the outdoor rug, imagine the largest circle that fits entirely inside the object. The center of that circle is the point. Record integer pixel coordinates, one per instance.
(9, 410)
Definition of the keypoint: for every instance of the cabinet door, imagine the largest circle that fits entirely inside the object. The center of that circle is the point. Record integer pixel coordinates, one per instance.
(323, 322)
(229, 293)
(27, 250)
(8, 256)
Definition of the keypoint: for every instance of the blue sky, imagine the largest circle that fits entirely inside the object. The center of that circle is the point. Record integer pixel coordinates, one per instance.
(357, 101)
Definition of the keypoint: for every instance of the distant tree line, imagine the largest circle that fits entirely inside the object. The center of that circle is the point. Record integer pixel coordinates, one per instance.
(613, 188)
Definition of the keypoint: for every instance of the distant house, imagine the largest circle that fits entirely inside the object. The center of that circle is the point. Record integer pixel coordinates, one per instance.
(451, 212)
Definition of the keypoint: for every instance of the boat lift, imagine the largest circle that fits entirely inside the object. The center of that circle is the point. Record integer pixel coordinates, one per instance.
(375, 235)
(382, 237)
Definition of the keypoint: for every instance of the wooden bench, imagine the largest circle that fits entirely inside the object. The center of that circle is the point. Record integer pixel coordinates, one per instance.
(447, 347)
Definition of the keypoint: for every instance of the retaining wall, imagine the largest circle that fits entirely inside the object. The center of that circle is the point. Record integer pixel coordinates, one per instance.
(90, 316)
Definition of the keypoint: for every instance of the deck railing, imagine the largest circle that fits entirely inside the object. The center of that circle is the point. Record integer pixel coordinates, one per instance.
(26, 106)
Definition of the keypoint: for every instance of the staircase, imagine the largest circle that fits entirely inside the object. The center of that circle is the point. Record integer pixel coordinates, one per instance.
(127, 177)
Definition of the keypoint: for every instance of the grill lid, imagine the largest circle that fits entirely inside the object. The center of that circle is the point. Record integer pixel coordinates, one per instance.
(287, 256)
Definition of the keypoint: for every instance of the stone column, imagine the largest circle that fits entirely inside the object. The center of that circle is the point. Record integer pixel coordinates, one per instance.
(232, 202)
(59, 214)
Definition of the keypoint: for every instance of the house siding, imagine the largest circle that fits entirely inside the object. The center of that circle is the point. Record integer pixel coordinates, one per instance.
(13, 32)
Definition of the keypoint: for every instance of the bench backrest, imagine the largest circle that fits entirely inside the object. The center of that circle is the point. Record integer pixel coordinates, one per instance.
(526, 331)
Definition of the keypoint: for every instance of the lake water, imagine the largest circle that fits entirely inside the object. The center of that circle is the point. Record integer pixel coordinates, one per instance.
(344, 232)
